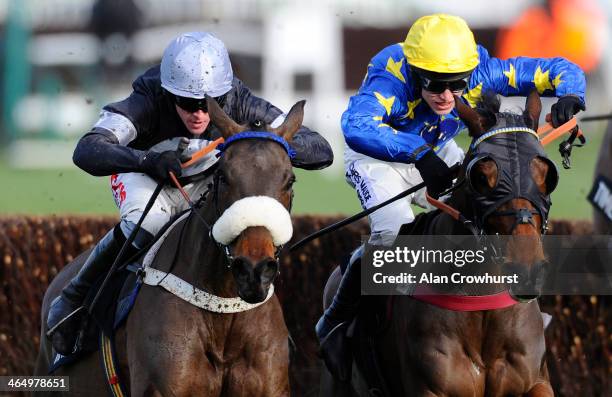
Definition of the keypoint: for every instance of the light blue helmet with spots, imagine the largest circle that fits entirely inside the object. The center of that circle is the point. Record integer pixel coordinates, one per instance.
(196, 64)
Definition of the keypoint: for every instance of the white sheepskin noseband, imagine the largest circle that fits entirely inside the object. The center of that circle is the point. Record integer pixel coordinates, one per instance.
(254, 211)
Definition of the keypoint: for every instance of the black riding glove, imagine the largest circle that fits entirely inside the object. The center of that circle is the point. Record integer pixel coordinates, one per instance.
(435, 173)
(565, 108)
(158, 165)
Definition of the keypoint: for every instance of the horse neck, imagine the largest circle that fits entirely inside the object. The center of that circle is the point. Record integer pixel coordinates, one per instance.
(200, 261)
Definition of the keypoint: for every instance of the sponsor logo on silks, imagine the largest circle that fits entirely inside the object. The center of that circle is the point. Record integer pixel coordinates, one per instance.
(363, 193)
(118, 190)
(601, 195)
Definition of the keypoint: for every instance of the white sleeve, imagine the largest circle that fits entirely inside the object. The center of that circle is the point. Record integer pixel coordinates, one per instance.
(118, 125)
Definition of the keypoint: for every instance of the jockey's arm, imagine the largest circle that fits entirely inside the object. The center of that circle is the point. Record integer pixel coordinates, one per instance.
(368, 122)
(313, 152)
(103, 150)
(519, 76)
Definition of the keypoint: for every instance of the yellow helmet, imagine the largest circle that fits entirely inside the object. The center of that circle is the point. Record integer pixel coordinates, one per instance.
(441, 43)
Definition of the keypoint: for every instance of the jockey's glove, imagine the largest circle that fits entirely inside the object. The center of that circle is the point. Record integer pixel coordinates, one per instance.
(158, 165)
(565, 108)
(435, 173)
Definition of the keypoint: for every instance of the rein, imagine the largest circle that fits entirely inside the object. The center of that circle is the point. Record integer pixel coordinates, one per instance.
(548, 133)
(182, 288)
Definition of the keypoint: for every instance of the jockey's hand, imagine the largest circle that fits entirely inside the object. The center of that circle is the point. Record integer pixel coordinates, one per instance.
(435, 173)
(158, 165)
(565, 108)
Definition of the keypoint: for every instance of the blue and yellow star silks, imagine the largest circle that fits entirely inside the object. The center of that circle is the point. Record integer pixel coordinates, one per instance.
(411, 106)
(511, 75)
(472, 96)
(541, 80)
(387, 103)
(388, 98)
(395, 68)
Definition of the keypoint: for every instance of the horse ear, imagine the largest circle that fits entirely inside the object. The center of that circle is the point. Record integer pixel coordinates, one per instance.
(533, 108)
(218, 117)
(292, 122)
(470, 117)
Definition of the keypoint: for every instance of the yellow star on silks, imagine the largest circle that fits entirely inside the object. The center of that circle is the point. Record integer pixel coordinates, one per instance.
(395, 68)
(557, 80)
(541, 80)
(411, 106)
(473, 95)
(386, 102)
(379, 118)
(511, 75)
(387, 125)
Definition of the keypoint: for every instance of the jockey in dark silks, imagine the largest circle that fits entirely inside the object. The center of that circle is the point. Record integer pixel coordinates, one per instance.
(399, 127)
(135, 141)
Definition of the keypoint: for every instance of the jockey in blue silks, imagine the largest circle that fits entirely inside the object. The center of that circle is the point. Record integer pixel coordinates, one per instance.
(399, 127)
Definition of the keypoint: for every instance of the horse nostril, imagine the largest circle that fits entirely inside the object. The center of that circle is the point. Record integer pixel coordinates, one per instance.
(267, 269)
(531, 280)
(242, 269)
(523, 298)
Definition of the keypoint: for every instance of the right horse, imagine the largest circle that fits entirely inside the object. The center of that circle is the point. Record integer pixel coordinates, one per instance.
(425, 349)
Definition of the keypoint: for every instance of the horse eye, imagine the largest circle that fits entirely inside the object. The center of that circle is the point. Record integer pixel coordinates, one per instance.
(290, 183)
(222, 179)
(480, 182)
(480, 177)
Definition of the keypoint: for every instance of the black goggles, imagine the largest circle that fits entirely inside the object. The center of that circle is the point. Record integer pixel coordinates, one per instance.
(438, 86)
(192, 105)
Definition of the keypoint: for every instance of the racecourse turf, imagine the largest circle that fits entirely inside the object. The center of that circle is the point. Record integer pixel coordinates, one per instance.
(72, 191)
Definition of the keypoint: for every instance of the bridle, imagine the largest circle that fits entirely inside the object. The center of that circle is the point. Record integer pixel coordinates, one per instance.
(225, 248)
(215, 187)
(475, 220)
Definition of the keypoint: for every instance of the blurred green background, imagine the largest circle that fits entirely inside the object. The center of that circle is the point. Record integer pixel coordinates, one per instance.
(70, 190)
(63, 60)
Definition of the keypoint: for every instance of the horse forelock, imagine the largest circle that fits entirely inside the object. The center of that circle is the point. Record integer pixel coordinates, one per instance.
(245, 152)
(509, 119)
(489, 110)
(254, 165)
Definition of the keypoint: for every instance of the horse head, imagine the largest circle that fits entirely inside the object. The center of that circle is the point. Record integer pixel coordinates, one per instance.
(509, 181)
(253, 192)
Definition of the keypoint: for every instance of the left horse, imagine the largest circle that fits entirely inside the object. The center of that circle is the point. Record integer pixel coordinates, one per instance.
(168, 346)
